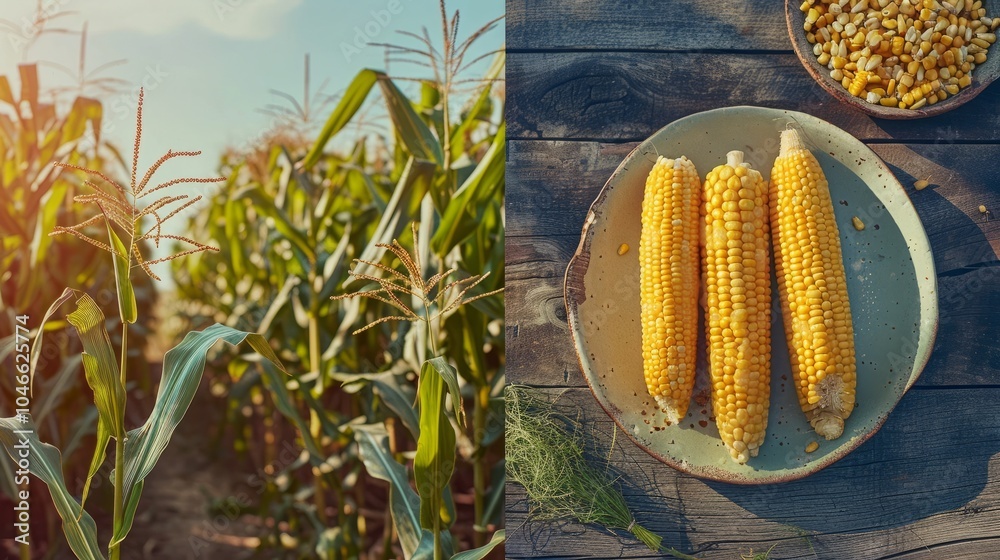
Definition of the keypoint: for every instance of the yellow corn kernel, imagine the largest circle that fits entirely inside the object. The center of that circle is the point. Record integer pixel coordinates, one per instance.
(738, 297)
(859, 82)
(669, 281)
(812, 286)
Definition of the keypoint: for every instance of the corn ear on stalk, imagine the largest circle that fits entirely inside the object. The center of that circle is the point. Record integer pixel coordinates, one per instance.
(812, 287)
(668, 275)
(738, 294)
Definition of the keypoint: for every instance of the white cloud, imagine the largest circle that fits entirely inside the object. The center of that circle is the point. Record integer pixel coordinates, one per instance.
(238, 19)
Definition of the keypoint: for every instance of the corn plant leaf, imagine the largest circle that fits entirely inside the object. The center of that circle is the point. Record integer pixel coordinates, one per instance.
(60, 385)
(403, 501)
(100, 364)
(46, 464)
(493, 512)
(47, 216)
(483, 551)
(434, 462)
(392, 394)
(84, 110)
(29, 85)
(412, 130)
(129, 515)
(425, 547)
(329, 542)
(285, 403)
(235, 213)
(126, 295)
(36, 346)
(412, 185)
(183, 367)
(282, 223)
(100, 453)
(335, 264)
(467, 206)
(6, 94)
(481, 106)
(450, 376)
(101, 369)
(354, 97)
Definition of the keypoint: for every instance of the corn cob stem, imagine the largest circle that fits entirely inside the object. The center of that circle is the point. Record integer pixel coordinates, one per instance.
(668, 274)
(813, 287)
(738, 295)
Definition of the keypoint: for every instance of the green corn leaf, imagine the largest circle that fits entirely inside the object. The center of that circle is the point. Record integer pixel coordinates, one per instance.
(62, 384)
(481, 107)
(412, 185)
(235, 216)
(282, 223)
(389, 389)
(467, 206)
(403, 501)
(126, 296)
(285, 403)
(183, 367)
(425, 547)
(100, 453)
(412, 131)
(349, 104)
(129, 515)
(335, 264)
(450, 376)
(47, 217)
(46, 463)
(36, 346)
(434, 462)
(483, 551)
(100, 364)
(493, 512)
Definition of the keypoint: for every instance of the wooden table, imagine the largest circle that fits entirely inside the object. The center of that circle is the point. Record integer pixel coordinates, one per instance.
(589, 79)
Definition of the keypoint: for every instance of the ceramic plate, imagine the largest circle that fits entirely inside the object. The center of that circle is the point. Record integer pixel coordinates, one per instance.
(891, 282)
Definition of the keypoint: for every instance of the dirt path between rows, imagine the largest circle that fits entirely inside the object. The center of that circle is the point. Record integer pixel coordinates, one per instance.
(174, 521)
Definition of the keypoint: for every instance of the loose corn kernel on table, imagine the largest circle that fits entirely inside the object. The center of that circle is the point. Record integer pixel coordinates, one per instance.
(590, 79)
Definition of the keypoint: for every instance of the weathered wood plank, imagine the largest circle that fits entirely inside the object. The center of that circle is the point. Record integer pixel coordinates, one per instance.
(624, 96)
(541, 240)
(684, 24)
(926, 486)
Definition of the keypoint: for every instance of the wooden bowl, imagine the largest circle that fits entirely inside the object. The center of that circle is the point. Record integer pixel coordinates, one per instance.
(982, 76)
(891, 282)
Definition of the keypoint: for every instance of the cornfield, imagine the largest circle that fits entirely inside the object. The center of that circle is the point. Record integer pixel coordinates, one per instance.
(356, 272)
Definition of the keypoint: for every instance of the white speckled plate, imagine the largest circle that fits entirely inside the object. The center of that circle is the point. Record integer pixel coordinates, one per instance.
(891, 281)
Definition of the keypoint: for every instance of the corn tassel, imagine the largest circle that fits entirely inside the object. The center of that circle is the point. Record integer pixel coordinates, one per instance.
(812, 287)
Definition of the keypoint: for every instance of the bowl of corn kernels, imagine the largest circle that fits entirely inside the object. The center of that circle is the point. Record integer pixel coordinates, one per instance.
(897, 59)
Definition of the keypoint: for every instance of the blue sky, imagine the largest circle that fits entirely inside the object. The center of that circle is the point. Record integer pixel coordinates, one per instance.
(209, 65)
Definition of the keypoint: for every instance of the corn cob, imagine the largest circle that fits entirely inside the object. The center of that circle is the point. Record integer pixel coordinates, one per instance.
(812, 287)
(738, 289)
(668, 275)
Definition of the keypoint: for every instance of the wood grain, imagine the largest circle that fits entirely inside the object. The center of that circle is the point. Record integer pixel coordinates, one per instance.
(926, 486)
(626, 96)
(646, 25)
